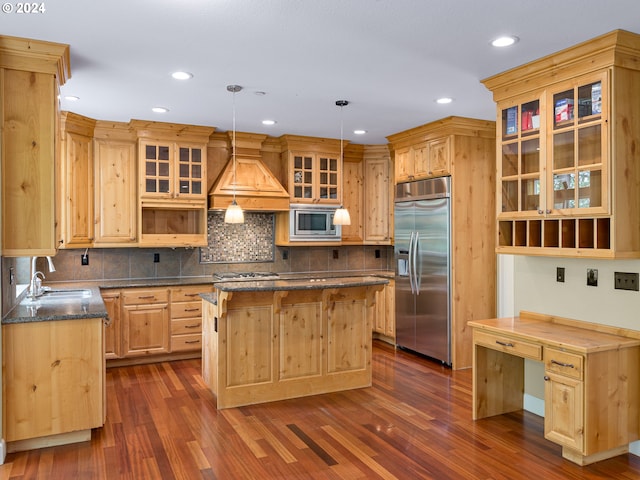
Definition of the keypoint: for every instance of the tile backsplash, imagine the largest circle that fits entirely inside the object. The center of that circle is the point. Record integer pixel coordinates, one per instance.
(251, 241)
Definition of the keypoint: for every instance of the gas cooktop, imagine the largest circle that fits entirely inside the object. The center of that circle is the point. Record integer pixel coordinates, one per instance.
(228, 276)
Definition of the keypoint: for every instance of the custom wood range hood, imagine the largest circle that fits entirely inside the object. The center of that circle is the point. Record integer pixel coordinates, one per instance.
(256, 188)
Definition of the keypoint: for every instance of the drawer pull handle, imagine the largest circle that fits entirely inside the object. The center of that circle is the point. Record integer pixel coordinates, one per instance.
(192, 341)
(504, 344)
(191, 294)
(568, 365)
(191, 309)
(143, 297)
(192, 326)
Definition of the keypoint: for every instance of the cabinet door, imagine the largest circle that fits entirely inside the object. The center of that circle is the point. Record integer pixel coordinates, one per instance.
(112, 332)
(439, 157)
(403, 165)
(519, 162)
(116, 212)
(354, 201)
(564, 411)
(578, 160)
(377, 194)
(190, 172)
(77, 191)
(28, 190)
(420, 162)
(146, 329)
(390, 309)
(328, 179)
(156, 160)
(301, 177)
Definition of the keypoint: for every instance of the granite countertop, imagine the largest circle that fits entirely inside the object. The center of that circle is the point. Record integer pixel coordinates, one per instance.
(301, 283)
(46, 308)
(92, 306)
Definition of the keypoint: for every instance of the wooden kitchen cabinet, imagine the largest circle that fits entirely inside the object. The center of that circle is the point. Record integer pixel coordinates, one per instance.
(186, 317)
(464, 147)
(52, 391)
(145, 321)
(384, 323)
(113, 328)
(425, 159)
(315, 169)
(567, 180)
(31, 73)
(367, 195)
(116, 173)
(75, 181)
(172, 189)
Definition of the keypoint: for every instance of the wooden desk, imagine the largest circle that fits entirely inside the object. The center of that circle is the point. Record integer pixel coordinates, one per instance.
(592, 385)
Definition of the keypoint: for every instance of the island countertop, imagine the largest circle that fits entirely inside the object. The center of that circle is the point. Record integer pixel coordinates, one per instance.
(300, 283)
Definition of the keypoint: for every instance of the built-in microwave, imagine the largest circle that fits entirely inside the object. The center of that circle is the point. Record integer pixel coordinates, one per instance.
(313, 223)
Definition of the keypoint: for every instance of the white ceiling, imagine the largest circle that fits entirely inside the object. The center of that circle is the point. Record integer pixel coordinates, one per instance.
(389, 58)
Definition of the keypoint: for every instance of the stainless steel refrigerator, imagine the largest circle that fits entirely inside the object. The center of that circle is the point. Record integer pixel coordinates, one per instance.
(423, 267)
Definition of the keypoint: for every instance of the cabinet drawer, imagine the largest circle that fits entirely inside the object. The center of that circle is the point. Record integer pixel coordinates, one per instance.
(189, 294)
(182, 343)
(142, 297)
(563, 363)
(186, 309)
(509, 345)
(186, 325)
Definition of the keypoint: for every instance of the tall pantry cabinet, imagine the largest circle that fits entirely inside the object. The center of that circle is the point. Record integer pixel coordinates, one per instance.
(464, 149)
(31, 73)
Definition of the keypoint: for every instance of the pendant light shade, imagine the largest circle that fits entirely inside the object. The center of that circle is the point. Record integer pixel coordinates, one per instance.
(341, 216)
(234, 213)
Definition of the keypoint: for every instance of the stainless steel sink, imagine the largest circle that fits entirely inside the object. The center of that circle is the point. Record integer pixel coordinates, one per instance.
(66, 293)
(58, 295)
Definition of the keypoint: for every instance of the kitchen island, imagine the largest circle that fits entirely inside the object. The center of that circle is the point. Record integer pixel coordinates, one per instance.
(270, 340)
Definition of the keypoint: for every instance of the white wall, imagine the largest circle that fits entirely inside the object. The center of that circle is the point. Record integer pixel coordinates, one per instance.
(535, 289)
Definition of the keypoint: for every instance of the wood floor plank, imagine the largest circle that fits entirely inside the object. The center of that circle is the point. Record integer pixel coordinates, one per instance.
(413, 423)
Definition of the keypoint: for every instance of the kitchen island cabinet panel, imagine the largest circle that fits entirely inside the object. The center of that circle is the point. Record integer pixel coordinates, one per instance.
(265, 341)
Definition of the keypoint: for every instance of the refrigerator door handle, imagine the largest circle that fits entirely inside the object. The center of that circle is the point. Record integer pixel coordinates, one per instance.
(410, 263)
(417, 274)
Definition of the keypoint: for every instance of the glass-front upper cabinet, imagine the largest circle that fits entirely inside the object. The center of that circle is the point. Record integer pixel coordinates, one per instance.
(172, 170)
(578, 158)
(521, 171)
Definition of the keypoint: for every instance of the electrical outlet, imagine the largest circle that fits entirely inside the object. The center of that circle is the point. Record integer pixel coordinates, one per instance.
(592, 277)
(336, 255)
(285, 254)
(84, 259)
(156, 258)
(559, 274)
(12, 276)
(625, 281)
(377, 253)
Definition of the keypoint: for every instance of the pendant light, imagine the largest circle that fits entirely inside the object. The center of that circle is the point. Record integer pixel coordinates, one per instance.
(341, 216)
(234, 213)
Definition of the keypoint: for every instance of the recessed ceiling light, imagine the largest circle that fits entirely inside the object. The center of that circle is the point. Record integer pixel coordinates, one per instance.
(505, 41)
(182, 75)
(359, 132)
(444, 100)
(268, 122)
(71, 98)
(159, 110)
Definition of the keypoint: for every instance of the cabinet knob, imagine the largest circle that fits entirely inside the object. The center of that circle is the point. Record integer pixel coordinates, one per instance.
(548, 211)
(546, 378)
(540, 211)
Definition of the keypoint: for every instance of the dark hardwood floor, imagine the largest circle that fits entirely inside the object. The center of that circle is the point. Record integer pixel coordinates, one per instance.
(414, 423)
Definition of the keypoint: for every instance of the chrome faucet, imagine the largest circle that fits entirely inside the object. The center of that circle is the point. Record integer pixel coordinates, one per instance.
(35, 286)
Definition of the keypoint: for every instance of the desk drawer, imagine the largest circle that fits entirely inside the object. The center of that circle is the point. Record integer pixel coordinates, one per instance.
(509, 345)
(563, 363)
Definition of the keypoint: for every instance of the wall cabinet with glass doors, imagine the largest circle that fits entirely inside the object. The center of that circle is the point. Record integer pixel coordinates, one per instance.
(567, 177)
(172, 189)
